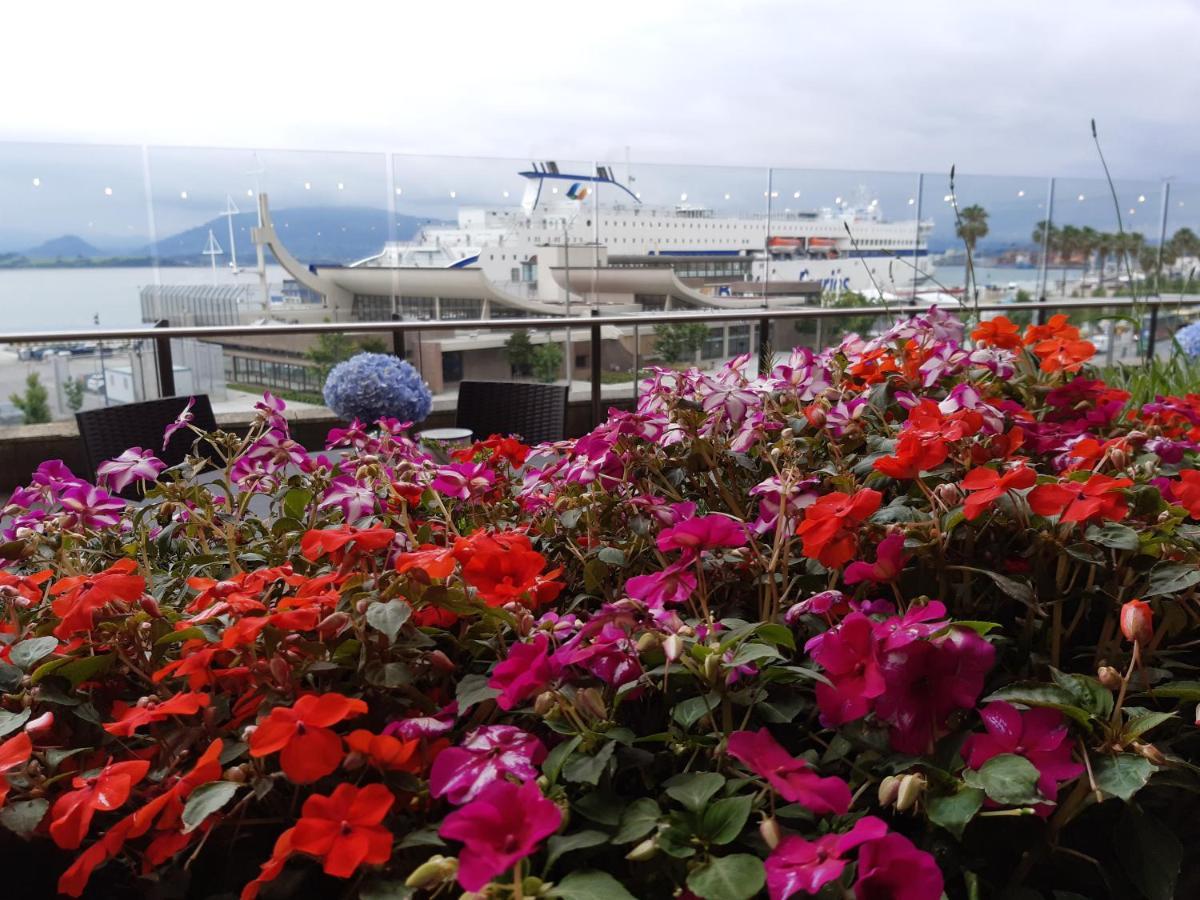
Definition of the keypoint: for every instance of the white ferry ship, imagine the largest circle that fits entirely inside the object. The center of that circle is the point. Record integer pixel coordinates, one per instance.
(848, 248)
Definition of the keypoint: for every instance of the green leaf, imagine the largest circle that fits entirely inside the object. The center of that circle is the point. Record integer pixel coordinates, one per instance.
(1180, 690)
(1018, 590)
(1037, 693)
(10, 677)
(388, 617)
(22, 817)
(694, 789)
(735, 877)
(1139, 721)
(1150, 853)
(954, 811)
(565, 843)
(779, 635)
(614, 556)
(473, 689)
(1087, 692)
(178, 637)
(1122, 775)
(422, 837)
(690, 711)
(601, 807)
(638, 820)
(555, 758)
(386, 889)
(1171, 578)
(1113, 534)
(295, 503)
(752, 652)
(77, 671)
(206, 800)
(1008, 779)
(723, 821)
(10, 722)
(26, 653)
(591, 885)
(588, 769)
(980, 628)
(595, 576)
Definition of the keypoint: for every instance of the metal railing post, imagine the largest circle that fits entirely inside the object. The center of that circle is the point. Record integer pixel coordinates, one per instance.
(1148, 350)
(397, 339)
(765, 355)
(1049, 220)
(166, 366)
(595, 371)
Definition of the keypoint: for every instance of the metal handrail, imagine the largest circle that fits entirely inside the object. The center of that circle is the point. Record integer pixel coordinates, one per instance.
(162, 333)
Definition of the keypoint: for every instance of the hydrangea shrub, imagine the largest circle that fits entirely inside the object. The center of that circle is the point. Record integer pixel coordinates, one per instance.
(912, 617)
(372, 386)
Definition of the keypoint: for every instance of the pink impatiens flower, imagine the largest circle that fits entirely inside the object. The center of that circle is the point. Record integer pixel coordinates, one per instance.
(850, 657)
(1039, 735)
(801, 866)
(889, 560)
(674, 584)
(891, 868)
(88, 506)
(486, 756)
(791, 778)
(135, 464)
(500, 827)
(702, 533)
(355, 498)
(181, 421)
(528, 670)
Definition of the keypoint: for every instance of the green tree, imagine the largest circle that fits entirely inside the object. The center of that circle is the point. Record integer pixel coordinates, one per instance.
(971, 226)
(1105, 245)
(34, 404)
(73, 392)
(520, 352)
(681, 342)
(546, 363)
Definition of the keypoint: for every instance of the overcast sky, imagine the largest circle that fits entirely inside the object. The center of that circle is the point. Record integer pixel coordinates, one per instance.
(1003, 87)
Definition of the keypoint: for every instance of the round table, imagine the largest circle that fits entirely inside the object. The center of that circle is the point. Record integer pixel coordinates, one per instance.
(442, 440)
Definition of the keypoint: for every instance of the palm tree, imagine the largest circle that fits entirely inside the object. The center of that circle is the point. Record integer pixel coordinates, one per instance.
(972, 225)
(1069, 243)
(1088, 237)
(1185, 243)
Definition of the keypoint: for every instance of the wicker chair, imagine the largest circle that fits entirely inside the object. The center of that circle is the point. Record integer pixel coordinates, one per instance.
(535, 412)
(109, 432)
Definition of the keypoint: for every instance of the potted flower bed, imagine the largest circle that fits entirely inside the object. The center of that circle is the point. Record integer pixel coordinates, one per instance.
(910, 617)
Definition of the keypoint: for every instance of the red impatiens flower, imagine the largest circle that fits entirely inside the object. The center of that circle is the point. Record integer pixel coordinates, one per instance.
(1186, 491)
(1098, 497)
(13, 752)
(130, 718)
(504, 567)
(913, 455)
(310, 749)
(25, 590)
(434, 561)
(1039, 735)
(80, 596)
(105, 791)
(829, 529)
(343, 831)
(335, 542)
(384, 751)
(987, 486)
(496, 447)
(1060, 355)
(998, 332)
(791, 778)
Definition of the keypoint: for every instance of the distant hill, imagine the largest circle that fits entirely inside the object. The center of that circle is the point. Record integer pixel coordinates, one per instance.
(69, 246)
(316, 234)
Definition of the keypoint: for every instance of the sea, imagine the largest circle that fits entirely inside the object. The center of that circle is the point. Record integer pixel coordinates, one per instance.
(69, 299)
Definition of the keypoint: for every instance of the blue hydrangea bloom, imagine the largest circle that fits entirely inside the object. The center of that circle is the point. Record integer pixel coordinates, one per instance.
(1189, 339)
(371, 386)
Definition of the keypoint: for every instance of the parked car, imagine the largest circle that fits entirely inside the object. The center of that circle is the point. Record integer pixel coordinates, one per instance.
(10, 415)
(95, 383)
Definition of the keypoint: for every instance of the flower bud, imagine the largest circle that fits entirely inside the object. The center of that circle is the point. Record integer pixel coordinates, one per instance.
(648, 641)
(647, 849)
(1137, 622)
(911, 788)
(440, 662)
(1109, 677)
(768, 829)
(673, 647)
(150, 606)
(333, 623)
(434, 871)
(1119, 457)
(1149, 752)
(787, 434)
(591, 702)
(234, 774)
(889, 789)
(544, 703)
(712, 666)
(948, 494)
(280, 671)
(40, 725)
